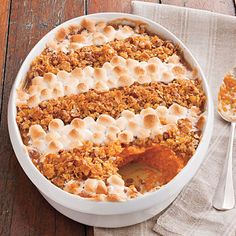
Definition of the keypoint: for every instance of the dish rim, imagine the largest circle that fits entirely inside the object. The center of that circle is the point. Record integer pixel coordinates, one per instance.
(75, 202)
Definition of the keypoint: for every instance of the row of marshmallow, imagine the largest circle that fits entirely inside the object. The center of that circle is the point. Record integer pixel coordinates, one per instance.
(117, 73)
(98, 34)
(148, 123)
(114, 190)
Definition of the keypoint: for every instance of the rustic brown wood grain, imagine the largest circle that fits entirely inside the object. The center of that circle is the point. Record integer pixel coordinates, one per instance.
(23, 211)
(111, 5)
(225, 7)
(4, 21)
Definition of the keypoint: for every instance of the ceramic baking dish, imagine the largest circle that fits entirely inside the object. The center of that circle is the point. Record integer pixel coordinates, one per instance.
(109, 214)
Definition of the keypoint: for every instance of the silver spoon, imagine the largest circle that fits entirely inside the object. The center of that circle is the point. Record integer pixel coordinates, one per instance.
(224, 195)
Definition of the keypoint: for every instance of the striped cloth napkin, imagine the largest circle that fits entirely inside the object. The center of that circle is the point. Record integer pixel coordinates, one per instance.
(212, 39)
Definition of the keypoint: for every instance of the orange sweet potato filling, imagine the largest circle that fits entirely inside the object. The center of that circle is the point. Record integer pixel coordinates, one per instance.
(227, 93)
(159, 157)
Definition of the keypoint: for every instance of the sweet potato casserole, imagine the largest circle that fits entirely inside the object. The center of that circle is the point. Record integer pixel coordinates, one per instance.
(109, 111)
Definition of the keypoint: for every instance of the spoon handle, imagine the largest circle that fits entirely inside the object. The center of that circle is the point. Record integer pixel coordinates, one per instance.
(224, 196)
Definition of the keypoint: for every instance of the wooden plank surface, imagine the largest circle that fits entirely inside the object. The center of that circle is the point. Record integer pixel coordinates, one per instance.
(111, 5)
(23, 211)
(4, 21)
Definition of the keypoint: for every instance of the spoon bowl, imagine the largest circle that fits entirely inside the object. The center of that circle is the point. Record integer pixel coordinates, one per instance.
(224, 196)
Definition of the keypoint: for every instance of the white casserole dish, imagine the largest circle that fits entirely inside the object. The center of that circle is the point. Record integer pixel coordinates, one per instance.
(109, 214)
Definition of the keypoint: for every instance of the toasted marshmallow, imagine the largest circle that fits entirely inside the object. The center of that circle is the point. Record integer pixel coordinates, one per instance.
(177, 110)
(98, 137)
(152, 68)
(75, 144)
(33, 89)
(90, 185)
(125, 137)
(117, 60)
(82, 87)
(109, 31)
(78, 123)
(113, 129)
(121, 123)
(52, 44)
(99, 39)
(120, 70)
(105, 120)
(108, 67)
(33, 101)
(100, 74)
(125, 80)
(127, 114)
(63, 76)
(50, 79)
(69, 90)
(78, 38)
(74, 28)
(88, 71)
(150, 121)
(52, 136)
(154, 60)
(57, 92)
(171, 119)
(178, 70)
(45, 94)
(195, 111)
(143, 133)
(55, 124)
(97, 127)
(139, 71)
(201, 122)
(55, 146)
(21, 95)
(88, 24)
(39, 144)
(61, 34)
(173, 59)
(74, 134)
(100, 25)
(36, 132)
(144, 79)
(123, 33)
(101, 187)
(166, 77)
(131, 64)
(133, 127)
(72, 186)
(162, 111)
(77, 73)
(147, 111)
(115, 180)
(89, 121)
(111, 84)
(101, 86)
(112, 132)
(86, 134)
(126, 29)
(37, 80)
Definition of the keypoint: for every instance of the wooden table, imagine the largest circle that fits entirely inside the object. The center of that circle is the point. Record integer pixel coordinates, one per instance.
(23, 211)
